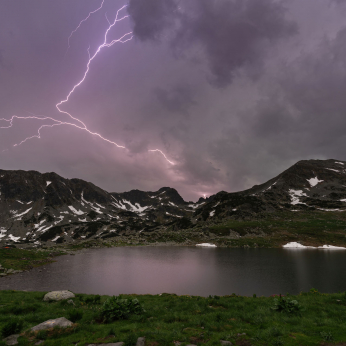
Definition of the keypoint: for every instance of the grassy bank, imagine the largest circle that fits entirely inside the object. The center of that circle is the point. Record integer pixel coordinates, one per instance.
(19, 259)
(317, 319)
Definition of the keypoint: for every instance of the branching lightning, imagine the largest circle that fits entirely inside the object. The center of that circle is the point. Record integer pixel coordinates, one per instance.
(81, 125)
(83, 20)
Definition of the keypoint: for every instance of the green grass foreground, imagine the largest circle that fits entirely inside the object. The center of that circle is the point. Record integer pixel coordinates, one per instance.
(320, 320)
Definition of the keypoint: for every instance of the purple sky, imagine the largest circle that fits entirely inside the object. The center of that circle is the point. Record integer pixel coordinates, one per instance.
(232, 91)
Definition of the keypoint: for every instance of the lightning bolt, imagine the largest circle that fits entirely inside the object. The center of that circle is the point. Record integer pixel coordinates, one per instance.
(158, 150)
(81, 22)
(80, 124)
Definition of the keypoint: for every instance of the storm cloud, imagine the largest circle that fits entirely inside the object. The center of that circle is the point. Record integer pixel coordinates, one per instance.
(231, 34)
(232, 92)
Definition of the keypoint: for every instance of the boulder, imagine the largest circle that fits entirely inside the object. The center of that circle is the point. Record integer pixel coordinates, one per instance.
(140, 342)
(11, 340)
(58, 295)
(225, 343)
(61, 322)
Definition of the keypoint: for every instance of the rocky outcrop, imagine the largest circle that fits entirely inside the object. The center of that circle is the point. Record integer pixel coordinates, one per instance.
(61, 322)
(11, 340)
(58, 295)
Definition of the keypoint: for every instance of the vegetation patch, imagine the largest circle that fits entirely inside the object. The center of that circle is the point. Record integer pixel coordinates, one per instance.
(310, 318)
(19, 259)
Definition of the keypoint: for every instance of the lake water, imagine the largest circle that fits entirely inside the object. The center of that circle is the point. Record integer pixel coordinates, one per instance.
(188, 270)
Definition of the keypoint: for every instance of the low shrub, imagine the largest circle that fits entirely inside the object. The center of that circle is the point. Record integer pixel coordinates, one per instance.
(327, 336)
(12, 327)
(284, 304)
(75, 315)
(115, 308)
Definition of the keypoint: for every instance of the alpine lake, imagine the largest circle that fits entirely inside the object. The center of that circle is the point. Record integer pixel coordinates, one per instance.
(188, 271)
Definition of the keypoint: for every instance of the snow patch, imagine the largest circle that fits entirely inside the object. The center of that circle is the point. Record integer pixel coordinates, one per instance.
(48, 183)
(295, 245)
(340, 163)
(77, 212)
(212, 213)
(3, 232)
(56, 238)
(269, 187)
(173, 215)
(13, 238)
(334, 170)
(39, 224)
(26, 211)
(206, 245)
(195, 206)
(314, 181)
(331, 247)
(42, 229)
(137, 208)
(295, 194)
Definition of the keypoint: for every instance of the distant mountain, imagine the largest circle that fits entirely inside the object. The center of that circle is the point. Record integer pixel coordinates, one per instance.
(36, 208)
(307, 185)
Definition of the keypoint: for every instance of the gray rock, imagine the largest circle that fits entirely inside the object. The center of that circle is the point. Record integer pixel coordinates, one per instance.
(225, 343)
(10, 271)
(70, 301)
(12, 339)
(58, 295)
(61, 322)
(39, 342)
(140, 342)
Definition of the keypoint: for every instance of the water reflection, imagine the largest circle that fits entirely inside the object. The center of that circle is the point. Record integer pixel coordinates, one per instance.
(184, 270)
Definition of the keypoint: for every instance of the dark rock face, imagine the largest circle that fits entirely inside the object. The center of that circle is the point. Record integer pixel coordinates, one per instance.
(37, 207)
(307, 185)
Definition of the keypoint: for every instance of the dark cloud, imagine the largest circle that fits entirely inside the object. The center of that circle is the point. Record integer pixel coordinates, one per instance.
(177, 100)
(232, 34)
(151, 17)
(279, 95)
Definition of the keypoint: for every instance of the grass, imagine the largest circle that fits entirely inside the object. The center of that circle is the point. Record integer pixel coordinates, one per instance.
(20, 259)
(311, 228)
(187, 319)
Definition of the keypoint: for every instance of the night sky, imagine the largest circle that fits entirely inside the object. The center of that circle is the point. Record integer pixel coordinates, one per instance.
(231, 91)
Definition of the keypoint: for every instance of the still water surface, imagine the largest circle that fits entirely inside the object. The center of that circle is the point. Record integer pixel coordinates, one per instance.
(188, 270)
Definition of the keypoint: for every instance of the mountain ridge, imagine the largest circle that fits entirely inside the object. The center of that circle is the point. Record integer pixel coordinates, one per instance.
(45, 207)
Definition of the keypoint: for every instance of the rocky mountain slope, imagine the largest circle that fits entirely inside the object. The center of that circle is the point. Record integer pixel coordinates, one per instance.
(306, 186)
(36, 208)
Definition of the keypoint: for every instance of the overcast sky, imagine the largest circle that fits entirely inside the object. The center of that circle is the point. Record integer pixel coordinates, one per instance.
(231, 91)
